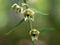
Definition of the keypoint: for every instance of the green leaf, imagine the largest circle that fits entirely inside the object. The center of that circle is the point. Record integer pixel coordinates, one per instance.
(13, 29)
(47, 30)
(38, 11)
(23, 4)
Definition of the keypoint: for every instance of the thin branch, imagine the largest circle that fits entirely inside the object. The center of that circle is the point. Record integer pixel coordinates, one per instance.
(25, 1)
(33, 43)
(30, 24)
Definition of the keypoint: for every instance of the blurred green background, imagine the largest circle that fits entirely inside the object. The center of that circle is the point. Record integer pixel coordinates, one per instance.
(8, 18)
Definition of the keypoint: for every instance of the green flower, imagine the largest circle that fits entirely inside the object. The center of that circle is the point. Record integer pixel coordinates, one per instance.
(34, 34)
(28, 14)
(17, 8)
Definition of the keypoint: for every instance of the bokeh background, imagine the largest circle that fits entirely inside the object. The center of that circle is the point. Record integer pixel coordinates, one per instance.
(50, 20)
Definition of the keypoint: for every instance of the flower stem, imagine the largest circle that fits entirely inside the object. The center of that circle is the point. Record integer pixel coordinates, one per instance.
(33, 43)
(30, 25)
(25, 1)
(30, 22)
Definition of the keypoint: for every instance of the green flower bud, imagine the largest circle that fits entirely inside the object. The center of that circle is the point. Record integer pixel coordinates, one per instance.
(34, 34)
(17, 8)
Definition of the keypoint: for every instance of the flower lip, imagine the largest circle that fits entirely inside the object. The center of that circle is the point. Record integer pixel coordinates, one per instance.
(34, 35)
(27, 15)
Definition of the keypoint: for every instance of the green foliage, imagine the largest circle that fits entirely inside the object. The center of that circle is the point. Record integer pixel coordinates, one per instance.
(38, 11)
(47, 30)
(12, 30)
(24, 4)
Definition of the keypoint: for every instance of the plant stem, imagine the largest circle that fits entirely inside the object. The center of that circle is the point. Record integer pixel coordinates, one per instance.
(30, 25)
(30, 22)
(33, 43)
(25, 1)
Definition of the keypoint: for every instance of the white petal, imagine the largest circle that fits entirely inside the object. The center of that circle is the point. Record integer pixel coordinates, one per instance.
(34, 38)
(26, 18)
(18, 6)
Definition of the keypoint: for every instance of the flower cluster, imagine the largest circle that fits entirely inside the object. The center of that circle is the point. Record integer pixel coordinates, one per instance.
(28, 13)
